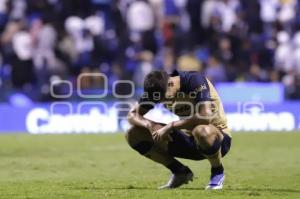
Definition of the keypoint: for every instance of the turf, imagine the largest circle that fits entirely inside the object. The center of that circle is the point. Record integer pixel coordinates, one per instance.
(260, 165)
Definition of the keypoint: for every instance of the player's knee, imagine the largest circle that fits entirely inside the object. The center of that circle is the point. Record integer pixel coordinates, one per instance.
(207, 138)
(139, 139)
(201, 132)
(128, 134)
(131, 135)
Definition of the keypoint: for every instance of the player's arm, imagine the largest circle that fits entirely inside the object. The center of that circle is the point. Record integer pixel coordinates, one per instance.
(202, 116)
(204, 108)
(135, 117)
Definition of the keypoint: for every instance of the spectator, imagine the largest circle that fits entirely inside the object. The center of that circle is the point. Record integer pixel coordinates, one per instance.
(140, 17)
(296, 54)
(22, 65)
(188, 62)
(229, 40)
(256, 74)
(283, 62)
(215, 71)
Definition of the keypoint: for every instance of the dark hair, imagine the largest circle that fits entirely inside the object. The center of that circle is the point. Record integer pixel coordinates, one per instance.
(156, 82)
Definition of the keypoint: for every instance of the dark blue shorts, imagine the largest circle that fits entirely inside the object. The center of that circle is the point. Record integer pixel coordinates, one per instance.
(184, 146)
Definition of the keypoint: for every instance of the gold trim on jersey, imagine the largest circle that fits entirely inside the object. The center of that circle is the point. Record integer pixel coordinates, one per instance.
(220, 120)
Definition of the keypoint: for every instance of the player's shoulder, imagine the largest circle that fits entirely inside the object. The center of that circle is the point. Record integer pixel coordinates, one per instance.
(193, 76)
(191, 80)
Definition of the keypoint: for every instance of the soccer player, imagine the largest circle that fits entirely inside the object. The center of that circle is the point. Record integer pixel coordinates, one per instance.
(201, 133)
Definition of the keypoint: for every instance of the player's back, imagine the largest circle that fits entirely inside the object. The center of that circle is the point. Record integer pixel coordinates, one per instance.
(220, 119)
(195, 88)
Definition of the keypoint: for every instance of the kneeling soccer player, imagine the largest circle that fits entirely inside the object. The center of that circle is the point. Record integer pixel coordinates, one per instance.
(201, 133)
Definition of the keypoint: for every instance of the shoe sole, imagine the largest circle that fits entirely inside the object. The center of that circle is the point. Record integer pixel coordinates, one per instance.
(189, 178)
(218, 187)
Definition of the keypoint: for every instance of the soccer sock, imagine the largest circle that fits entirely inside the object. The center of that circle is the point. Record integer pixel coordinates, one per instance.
(217, 170)
(177, 167)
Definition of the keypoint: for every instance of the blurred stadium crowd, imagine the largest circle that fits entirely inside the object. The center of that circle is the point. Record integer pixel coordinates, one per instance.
(229, 40)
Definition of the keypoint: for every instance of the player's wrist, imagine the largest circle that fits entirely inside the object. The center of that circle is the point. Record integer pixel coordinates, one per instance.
(147, 124)
(171, 126)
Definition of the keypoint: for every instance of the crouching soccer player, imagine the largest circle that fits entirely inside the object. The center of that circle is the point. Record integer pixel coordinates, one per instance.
(201, 133)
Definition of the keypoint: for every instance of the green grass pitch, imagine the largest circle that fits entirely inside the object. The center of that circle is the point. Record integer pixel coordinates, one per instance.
(260, 165)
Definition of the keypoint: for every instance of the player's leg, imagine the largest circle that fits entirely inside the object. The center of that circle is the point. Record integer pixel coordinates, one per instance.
(140, 139)
(209, 140)
(184, 146)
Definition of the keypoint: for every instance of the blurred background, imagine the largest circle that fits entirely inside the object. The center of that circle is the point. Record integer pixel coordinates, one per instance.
(249, 49)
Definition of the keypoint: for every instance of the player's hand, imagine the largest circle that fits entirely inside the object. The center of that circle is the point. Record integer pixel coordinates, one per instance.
(163, 134)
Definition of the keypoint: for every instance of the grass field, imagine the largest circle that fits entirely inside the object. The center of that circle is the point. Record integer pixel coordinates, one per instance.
(260, 165)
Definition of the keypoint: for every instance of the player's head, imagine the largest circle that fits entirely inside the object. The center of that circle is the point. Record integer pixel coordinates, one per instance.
(155, 85)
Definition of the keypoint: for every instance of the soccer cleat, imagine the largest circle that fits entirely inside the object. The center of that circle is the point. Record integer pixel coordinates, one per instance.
(216, 182)
(178, 179)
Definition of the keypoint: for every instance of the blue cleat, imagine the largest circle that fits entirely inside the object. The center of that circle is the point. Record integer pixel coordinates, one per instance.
(216, 182)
